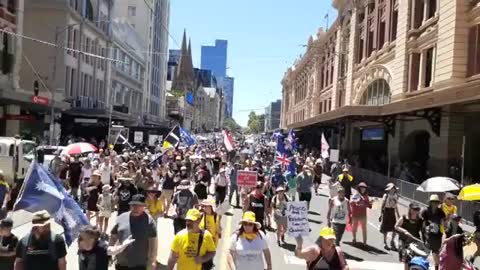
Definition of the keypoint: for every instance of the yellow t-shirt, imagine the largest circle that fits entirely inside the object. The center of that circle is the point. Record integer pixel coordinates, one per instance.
(154, 206)
(212, 226)
(185, 244)
(449, 210)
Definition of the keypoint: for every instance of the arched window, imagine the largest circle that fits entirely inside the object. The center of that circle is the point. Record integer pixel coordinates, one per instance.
(377, 93)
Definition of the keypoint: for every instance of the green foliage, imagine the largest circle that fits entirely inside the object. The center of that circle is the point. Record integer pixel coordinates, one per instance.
(231, 125)
(256, 123)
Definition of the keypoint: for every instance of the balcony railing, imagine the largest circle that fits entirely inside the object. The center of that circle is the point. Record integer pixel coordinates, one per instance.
(83, 102)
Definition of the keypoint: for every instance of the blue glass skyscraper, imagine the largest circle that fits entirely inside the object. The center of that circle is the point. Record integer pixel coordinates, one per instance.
(214, 58)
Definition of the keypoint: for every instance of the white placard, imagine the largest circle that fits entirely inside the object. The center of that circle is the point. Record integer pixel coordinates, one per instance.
(334, 155)
(152, 138)
(137, 137)
(297, 216)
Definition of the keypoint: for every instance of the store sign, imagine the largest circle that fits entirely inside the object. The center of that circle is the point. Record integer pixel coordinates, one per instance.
(40, 100)
(25, 117)
(137, 137)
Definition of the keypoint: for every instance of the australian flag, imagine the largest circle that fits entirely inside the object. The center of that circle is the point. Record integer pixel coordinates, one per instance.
(292, 141)
(187, 138)
(41, 190)
(285, 157)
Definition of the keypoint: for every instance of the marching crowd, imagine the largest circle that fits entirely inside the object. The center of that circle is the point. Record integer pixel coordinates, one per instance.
(194, 186)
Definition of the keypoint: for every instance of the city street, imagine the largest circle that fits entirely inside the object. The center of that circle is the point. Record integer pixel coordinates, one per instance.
(375, 257)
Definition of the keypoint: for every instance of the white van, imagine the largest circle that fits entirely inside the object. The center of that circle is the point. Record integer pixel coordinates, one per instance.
(12, 157)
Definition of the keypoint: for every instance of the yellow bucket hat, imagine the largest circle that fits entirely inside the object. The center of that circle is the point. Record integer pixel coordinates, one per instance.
(249, 217)
(327, 233)
(193, 215)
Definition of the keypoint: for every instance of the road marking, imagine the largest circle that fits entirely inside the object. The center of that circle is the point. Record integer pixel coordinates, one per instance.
(226, 242)
(363, 265)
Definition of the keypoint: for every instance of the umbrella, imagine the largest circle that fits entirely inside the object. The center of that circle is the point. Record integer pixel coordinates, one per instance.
(78, 149)
(439, 184)
(470, 193)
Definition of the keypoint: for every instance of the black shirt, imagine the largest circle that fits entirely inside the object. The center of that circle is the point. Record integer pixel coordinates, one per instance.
(216, 164)
(433, 220)
(38, 256)
(95, 259)
(125, 194)
(7, 245)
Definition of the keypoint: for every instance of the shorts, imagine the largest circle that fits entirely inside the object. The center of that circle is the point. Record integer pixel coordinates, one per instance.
(305, 196)
(167, 194)
(105, 214)
(434, 243)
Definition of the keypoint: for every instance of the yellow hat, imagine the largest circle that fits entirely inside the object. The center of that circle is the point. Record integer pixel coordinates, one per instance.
(327, 233)
(193, 215)
(249, 217)
(110, 146)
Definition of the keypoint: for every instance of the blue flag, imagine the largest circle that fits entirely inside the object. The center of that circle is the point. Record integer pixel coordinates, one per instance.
(189, 140)
(292, 140)
(42, 191)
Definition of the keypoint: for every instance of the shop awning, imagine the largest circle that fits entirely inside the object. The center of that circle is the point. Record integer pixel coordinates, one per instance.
(422, 100)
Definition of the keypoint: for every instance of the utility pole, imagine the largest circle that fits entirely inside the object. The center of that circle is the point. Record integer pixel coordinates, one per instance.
(52, 91)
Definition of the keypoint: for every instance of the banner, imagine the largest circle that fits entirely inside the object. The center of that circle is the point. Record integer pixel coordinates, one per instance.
(297, 218)
(247, 179)
(137, 137)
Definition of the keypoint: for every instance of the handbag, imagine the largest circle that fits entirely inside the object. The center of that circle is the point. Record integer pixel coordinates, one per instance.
(206, 265)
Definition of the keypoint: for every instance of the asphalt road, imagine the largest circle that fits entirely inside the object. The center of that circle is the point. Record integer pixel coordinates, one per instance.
(372, 257)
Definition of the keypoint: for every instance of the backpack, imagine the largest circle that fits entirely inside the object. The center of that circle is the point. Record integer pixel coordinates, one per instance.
(52, 250)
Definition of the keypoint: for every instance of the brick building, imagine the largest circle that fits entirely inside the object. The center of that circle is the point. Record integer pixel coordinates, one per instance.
(395, 84)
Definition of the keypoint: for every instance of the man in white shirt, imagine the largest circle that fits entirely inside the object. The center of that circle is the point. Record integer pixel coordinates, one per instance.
(106, 171)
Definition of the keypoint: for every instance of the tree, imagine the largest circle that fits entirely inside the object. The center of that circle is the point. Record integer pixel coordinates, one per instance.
(231, 125)
(254, 123)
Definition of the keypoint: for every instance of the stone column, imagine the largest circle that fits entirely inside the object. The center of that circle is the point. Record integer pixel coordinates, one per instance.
(349, 87)
(400, 63)
(336, 68)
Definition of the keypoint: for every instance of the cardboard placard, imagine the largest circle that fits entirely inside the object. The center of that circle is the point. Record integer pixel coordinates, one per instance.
(334, 155)
(246, 178)
(297, 217)
(137, 137)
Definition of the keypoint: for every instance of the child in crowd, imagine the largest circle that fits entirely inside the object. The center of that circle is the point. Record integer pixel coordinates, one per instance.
(105, 206)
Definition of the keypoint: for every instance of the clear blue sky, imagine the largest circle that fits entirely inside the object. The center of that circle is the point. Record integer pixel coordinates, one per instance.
(263, 41)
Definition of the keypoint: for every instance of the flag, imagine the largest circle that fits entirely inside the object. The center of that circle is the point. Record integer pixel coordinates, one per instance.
(187, 138)
(172, 139)
(227, 140)
(277, 134)
(41, 190)
(325, 147)
(282, 156)
(292, 140)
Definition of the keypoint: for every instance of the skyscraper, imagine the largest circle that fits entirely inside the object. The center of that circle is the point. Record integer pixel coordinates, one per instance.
(214, 58)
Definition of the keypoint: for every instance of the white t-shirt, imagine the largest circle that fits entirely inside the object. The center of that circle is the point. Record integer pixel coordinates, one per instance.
(339, 211)
(249, 254)
(105, 171)
(87, 173)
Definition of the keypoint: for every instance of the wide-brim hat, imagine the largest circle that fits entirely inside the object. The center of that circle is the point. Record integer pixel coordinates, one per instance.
(209, 202)
(97, 173)
(249, 217)
(327, 233)
(362, 184)
(434, 198)
(280, 189)
(106, 187)
(41, 218)
(390, 186)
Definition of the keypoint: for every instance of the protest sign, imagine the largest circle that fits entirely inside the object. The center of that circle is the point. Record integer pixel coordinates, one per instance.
(247, 179)
(297, 216)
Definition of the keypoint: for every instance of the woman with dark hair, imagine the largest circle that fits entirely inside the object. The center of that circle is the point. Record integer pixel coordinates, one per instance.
(389, 214)
(409, 228)
(451, 253)
(249, 246)
(324, 254)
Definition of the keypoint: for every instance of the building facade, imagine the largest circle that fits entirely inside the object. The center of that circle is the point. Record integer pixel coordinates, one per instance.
(272, 116)
(214, 58)
(394, 85)
(68, 74)
(157, 103)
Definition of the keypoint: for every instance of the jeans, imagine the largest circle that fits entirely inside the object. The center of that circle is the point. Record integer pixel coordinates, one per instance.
(221, 193)
(234, 188)
(179, 224)
(339, 230)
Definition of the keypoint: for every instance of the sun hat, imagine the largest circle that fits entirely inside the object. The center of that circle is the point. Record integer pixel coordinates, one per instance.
(279, 189)
(41, 218)
(362, 184)
(137, 199)
(193, 215)
(209, 202)
(434, 198)
(390, 186)
(249, 217)
(6, 223)
(183, 168)
(184, 184)
(106, 187)
(327, 233)
(345, 169)
(97, 173)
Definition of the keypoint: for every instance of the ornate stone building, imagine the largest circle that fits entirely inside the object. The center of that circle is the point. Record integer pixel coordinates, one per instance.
(394, 84)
